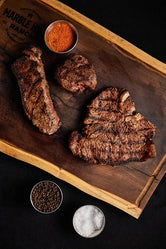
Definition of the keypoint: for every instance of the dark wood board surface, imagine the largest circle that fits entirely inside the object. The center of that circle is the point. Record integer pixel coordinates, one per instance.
(134, 182)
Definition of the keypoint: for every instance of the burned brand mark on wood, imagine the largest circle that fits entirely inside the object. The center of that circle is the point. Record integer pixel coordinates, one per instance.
(20, 26)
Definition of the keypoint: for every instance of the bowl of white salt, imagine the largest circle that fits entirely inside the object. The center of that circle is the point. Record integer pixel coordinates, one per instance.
(88, 221)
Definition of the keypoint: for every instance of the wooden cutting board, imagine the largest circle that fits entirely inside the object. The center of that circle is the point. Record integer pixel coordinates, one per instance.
(117, 63)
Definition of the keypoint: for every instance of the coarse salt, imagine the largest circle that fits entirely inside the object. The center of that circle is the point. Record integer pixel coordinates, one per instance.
(88, 221)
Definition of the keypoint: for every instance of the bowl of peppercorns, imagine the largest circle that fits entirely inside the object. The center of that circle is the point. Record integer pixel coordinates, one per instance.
(46, 197)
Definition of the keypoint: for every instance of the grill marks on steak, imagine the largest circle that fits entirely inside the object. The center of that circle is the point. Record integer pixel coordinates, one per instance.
(76, 74)
(114, 133)
(36, 100)
(96, 151)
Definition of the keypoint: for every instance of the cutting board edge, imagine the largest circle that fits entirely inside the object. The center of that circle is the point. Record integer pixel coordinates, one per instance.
(108, 35)
(126, 206)
(160, 171)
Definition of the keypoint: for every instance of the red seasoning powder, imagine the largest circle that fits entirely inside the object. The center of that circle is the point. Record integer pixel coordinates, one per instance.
(61, 37)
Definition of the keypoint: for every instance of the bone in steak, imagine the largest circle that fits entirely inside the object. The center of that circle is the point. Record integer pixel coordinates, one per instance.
(36, 100)
(76, 74)
(114, 133)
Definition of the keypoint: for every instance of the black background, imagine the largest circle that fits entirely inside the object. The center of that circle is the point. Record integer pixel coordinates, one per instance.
(22, 227)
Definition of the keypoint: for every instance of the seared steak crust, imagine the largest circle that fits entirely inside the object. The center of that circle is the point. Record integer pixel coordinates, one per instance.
(76, 74)
(114, 133)
(36, 100)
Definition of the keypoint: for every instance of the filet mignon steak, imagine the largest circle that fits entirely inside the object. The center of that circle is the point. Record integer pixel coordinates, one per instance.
(76, 74)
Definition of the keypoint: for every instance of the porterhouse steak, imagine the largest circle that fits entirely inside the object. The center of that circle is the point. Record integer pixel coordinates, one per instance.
(36, 100)
(113, 131)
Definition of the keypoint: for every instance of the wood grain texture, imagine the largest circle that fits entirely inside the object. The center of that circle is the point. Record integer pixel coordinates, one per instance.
(70, 178)
(127, 187)
(107, 35)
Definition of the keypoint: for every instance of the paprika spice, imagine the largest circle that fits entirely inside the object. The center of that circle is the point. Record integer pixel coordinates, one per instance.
(61, 36)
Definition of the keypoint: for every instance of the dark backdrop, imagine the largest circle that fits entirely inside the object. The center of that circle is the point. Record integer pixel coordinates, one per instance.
(21, 227)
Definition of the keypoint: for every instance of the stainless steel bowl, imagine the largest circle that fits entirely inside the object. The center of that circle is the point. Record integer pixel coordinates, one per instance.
(31, 200)
(79, 216)
(49, 28)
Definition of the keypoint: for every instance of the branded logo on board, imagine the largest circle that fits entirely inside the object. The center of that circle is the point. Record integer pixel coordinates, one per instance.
(21, 26)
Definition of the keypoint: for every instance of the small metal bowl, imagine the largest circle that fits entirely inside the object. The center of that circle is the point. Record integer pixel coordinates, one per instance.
(31, 199)
(49, 28)
(97, 231)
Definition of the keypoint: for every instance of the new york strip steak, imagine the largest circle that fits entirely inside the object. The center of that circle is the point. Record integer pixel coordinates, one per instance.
(114, 132)
(36, 100)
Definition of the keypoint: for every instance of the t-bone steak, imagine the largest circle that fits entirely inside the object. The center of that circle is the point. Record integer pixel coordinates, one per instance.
(114, 132)
(36, 100)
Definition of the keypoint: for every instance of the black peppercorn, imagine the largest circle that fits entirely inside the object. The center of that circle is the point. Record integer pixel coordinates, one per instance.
(46, 196)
